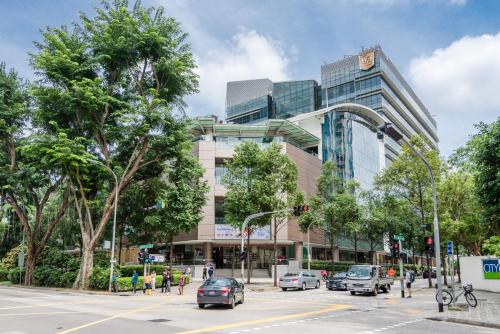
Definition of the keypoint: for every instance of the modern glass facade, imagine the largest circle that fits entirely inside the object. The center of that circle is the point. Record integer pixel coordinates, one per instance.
(353, 145)
(250, 111)
(291, 98)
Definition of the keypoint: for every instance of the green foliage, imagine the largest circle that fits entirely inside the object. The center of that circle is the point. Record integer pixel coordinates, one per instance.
(54, 277)
(125, 283)
(4, 274)
(491, 246)
(10, 259)
(99, 279)
(339, 266)
(127, 271)
(16, 275)
(101, 260)
(53, 257)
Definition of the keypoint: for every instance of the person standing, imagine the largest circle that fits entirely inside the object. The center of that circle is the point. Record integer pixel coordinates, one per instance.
(204, 273)
(114, 286)
(135, 280)
(165, 283)
(188, 271)
(181, 284)
(410, 278)
(147, 282)
(210, 271)
(153, 281)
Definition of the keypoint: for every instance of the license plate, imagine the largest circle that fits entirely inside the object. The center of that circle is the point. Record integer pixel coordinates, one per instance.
(288, 280)
(211, 293)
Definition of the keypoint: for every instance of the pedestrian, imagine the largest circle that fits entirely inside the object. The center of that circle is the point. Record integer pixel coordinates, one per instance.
(135, 279)
(391, 272)
(188, 271)
(114, 287)
(165, 283)
(153, 281)
(204, 273)
(181, 284)
(147, 282)
(210, 271)
(410, 278)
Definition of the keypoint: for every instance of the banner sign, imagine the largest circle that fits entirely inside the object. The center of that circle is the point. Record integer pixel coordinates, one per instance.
(491, 268)
(228, 232)
(157, 257)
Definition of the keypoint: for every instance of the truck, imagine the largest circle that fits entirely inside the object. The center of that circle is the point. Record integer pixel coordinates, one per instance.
(368, 279)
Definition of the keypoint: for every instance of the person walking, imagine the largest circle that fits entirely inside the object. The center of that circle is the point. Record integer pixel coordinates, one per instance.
(188, 271)
(135, 280)
(153, 281)
(147, 282)
(210, 271)
(165, 283)
(410, 278)
(114, 280)
(182, 281)
(204, 273)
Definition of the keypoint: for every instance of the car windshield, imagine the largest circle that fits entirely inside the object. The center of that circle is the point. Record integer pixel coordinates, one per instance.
(217, 282)
(359, 272)
(291, 274)
(340, 275)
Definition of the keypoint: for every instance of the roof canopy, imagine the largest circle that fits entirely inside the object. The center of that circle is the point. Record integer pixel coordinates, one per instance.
(270, 128)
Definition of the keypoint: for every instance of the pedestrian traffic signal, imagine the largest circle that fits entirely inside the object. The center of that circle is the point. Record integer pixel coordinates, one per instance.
(429, 244)
(297, 210)
(243, 256)
(395, 249)
(143, 256)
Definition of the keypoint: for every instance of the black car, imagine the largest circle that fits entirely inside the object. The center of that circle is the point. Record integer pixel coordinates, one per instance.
(425, 273)
(220, 290)
(337, 281)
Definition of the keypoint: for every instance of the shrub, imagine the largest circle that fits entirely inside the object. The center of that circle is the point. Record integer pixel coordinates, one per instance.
(101, 259)
(55, 277)
(10, 259)
(327, 265)
(128, 270)
(99, 279)
(125, 283)
(4, 274)
(16, 275)
(57, 259)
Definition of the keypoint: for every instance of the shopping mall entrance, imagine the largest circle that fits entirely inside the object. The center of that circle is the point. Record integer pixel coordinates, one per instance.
(261, 256)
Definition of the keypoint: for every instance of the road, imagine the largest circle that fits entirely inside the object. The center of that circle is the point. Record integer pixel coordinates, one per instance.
(40, 311)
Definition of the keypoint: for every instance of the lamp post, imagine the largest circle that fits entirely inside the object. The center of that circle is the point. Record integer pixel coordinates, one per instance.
(389, 130)
(112, 261)
(308, 250)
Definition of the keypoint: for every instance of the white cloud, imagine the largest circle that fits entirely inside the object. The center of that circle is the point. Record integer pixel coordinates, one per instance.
(458, 2)
(248, 55)
(459, 83)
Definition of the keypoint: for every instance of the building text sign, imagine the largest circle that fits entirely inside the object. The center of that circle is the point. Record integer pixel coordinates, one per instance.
(224, 231)
(491, 268)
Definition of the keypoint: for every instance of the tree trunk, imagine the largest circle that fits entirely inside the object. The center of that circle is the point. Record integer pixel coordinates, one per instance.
(122, 226)
(30, 266)
(275, 254)
(86, 266)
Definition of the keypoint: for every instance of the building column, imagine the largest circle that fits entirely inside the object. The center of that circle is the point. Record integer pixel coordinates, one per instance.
(207, 252)
(299, 251)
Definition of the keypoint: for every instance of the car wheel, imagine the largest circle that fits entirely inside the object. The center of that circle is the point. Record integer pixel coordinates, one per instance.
(303, 286)
(284, 289)
(331, 289)
(232, 304)
(317, 285)
(242, 300)
(353, 293)
(375, 291)
(201, 305)
(385, 289)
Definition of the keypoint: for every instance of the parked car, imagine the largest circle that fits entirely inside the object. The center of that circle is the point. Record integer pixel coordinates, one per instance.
(220, 290)
(299, 280)
(368, 279)
(425, 273)
(337, 281)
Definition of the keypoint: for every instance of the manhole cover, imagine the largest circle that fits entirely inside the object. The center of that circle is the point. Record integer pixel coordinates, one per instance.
(158, 320)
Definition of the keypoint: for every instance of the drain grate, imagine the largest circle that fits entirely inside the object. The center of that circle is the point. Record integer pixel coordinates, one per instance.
(158, 320)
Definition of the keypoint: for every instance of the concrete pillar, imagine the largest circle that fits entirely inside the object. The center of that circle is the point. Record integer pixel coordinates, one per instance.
(298, 251)
(208, 252)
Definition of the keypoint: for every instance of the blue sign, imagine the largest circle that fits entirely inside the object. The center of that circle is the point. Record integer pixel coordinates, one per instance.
(491, 268)
(450, 247)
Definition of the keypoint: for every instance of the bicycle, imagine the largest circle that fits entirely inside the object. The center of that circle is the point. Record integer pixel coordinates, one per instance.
(466, 291)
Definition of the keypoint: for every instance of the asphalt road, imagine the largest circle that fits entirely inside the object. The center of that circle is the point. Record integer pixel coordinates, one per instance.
(39, 311)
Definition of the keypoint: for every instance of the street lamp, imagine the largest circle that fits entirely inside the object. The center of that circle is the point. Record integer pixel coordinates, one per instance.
(389, 130)
(112, 262)
(308, 250)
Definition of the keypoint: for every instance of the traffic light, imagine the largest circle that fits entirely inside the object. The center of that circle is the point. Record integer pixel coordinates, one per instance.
(243, 256)
(141, 257)
(395, 249)
(297, 210)
(429, 244)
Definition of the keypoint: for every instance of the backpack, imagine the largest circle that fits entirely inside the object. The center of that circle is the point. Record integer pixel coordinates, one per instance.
(412, 277)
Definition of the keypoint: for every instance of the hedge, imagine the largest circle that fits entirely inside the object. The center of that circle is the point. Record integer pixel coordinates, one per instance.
(4, 274)
(128, 270)
(16, 275)
(55, 277)
(327, 265)
(125, 283)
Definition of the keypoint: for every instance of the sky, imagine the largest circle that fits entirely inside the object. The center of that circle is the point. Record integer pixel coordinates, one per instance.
(448, 50)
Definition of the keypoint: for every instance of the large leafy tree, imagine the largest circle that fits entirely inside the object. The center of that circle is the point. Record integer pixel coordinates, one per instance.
(34, 165)
(334, 208)
(259, 180)
(115, 80)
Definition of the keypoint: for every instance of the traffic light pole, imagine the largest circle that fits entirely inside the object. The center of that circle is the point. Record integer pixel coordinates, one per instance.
(244, 226)
(401, 280)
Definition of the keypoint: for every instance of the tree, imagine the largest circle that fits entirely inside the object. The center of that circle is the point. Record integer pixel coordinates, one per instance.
(34, 165)
(481, 157)
(259, 181)
(115, 80)
(334, 207)
(408, 178)
(184, 193)
(373, 222)
(492, 246)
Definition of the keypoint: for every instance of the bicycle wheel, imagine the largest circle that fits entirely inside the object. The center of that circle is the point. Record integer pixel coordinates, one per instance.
(471, 299)
(447, 298)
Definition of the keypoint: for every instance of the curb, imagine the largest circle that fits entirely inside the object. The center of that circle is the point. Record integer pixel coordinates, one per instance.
(466, 322)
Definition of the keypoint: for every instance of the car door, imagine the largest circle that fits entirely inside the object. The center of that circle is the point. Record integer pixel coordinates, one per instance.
(236, 289)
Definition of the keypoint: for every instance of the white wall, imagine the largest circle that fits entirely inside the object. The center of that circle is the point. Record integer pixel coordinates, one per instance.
(471, 271)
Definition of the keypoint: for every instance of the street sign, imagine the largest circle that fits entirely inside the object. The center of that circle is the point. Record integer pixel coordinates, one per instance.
(146, 246)
(399, 237)
(450, 247)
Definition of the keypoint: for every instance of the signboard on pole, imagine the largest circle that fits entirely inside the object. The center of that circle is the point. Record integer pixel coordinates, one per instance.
(146, 246)
(450, 247)
(399, 237)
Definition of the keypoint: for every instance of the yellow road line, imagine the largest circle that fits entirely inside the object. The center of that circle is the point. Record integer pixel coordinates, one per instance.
(93, 323)
(37, 313)
(261, 321)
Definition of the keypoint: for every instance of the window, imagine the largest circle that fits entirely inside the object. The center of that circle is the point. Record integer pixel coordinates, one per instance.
(219, 211)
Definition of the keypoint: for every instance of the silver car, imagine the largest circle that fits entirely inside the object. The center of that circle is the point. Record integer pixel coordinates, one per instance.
(299, 280)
